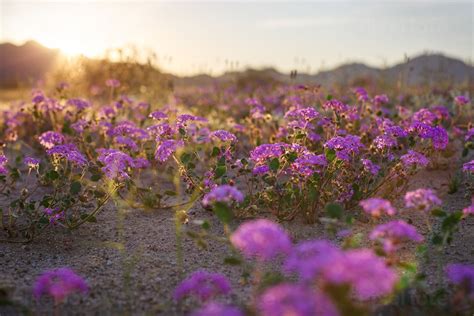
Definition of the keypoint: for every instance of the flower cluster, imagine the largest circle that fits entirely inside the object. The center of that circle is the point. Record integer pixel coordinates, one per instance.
(377, 206)
(422, 199)
(202, 285)
(223, 193)
(59, 284)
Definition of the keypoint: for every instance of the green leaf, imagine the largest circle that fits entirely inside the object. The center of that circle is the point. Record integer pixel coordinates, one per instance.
(330, 154)
(334, 210)
(215, 152)
(438, 212)
(170, 193)
(274, 164)
(75, 187)
(185, 158)
(91, 219)
(220, 171)
(52, 175)
(232, 261)
(95, 177)
(222, 212)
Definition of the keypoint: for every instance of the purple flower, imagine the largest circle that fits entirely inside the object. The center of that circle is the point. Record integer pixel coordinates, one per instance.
(68, 152)
(461, 100)
(31, 162)
(266, 151)
(203, 285)
(470, 209)
(3, 162)
(422, 199)
(469, 134)
(261, 239)
(361, 94)
(307, 114)
(80, 126)
(113, 83)
(439, 137)
(468, 166)
(80, 104)
(59, 284)
(294, 300)
(260, 170)
(393, 233)
(115, 163)
(224, 136)
(377, 206)
(127, 142)
(216, 309)
(414, 158)
(308, 259)
(367, 273)
(424, 115)
(461, 275)
(167, 148)
(308, 163)
(54, 214)
(140, 163)
(223, 193)
(335, 105)
(385, 142)
(370, 167)
(158, 115)
(380, 99)
(49, 139)
(345, 147)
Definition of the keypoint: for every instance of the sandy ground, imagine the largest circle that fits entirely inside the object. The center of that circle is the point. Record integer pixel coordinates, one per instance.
(130, 260)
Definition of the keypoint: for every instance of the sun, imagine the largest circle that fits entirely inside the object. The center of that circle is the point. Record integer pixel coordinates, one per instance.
(69, 46)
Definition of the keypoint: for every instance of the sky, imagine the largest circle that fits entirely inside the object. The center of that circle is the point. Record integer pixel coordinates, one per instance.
(212, 37)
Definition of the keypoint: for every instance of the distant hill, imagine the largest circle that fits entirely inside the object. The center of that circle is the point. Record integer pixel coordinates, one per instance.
(27, 63)
(24, 64)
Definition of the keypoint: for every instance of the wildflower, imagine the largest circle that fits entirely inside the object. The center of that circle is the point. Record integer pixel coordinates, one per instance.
(345, 147)
(307, 114)
(224, 136)
(307, 164)
(115, 163)
(261, 239)
(385, 141)
(158, 115)
(202, 285)
(113, 83)
(59, 284)
(183, 119)
(293, 299)
(216, 309)
(393, 233)
(127, 142)
(468, 166)
(266, 151)
(260, 170)
(380, 99)
(439, 137)
(68, 152)
(79, 126)
(167, 148)
(461, 100)
(377, 206)
(461, 275)
(80, 104)
(424, 115)
(223, 193)
(367, 273)
(140, 163)
(414, 158)
(422, 199)
(31, 162)
(361, 94)
(49, 139)
(3, 162)
(53, 214)
(470, 209)
(308, 259)
(469, 134)
(370, 167)
(335, 105)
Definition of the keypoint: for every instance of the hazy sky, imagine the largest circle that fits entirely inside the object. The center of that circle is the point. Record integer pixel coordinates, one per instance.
(191, 37)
